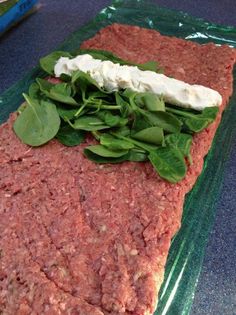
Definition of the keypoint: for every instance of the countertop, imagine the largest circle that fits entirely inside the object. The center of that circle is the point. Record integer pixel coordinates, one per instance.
(22, 46)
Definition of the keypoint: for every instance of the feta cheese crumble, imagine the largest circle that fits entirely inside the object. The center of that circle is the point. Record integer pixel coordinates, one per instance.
(113, 76)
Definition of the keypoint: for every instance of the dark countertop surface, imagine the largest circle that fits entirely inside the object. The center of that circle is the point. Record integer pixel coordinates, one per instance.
(22, 46)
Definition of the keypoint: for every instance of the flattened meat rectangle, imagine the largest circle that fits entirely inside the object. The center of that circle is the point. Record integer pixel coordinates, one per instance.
(88, 239)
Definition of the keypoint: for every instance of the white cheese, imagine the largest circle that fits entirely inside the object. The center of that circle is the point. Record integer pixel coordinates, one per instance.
(112, 76)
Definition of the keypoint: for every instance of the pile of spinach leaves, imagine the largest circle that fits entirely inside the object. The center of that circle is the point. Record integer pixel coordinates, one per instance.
(129, 126)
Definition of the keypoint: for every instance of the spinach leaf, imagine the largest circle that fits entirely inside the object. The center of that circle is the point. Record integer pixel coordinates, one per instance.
(60, 92)
(101, 150)
(139, 123)
(152, 135)
(100, 159)
(65, 77)
(193, 120)
(97, 95)
(34, 91)
(69, 136)
(164, 120)
(44, 85)
(89, 123)
(122, 131)
(181, 141)
(137, 155)
(210, 113)
(66, 113)
(129, 94)
(196, 124)
(169, 163)
(111, 119)
(150, 66)
(48, 62)
(140, 144)
(124, 106)
(84, 80)
(38, 123)
(100, 154)
(115, 144)
(151, 101)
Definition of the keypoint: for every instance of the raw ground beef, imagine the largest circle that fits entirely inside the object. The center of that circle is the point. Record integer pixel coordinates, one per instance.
(85, 239)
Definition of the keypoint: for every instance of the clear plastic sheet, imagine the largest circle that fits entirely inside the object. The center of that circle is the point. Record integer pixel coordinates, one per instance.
(187, 249)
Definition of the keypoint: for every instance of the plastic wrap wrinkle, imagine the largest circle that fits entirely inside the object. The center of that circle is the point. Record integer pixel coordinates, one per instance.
(187, 249)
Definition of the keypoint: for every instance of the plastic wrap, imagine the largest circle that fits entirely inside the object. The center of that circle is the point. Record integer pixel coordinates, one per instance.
(187, 249)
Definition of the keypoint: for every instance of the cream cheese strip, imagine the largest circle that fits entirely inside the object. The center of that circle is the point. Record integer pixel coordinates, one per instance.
(113, 76)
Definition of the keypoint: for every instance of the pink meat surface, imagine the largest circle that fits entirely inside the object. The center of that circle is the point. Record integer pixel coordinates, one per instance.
(88, 239)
